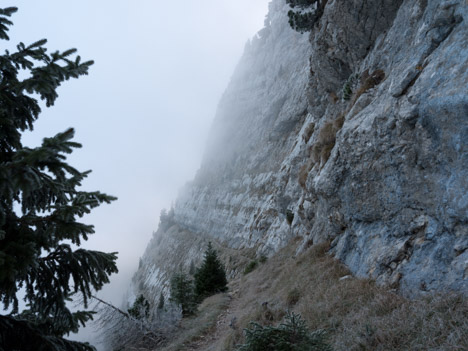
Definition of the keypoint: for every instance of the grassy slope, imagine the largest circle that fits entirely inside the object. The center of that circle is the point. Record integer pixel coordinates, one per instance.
(357, 314)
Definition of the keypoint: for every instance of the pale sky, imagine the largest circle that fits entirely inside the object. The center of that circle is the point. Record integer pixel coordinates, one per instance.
(145, 109)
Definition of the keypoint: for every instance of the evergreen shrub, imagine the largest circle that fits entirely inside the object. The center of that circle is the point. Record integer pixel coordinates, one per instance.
(140, 308)
(182, 293)
(308, 13)
(210, 278)
(291, 335)
(250, 266)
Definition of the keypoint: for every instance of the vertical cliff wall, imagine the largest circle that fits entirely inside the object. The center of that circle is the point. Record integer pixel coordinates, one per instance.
(356, 133)
(239, 195)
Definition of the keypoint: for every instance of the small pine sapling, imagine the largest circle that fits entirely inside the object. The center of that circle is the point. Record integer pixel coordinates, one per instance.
(291, 335)
(182, 293)
(210, 278)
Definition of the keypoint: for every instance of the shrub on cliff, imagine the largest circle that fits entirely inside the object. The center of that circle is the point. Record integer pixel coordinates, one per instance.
(250, 266)
(210, 278)
(305, 17)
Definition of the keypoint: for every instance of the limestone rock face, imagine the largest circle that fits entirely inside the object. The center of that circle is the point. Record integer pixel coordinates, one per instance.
(239, 195)
(355, 133)
(396, 179)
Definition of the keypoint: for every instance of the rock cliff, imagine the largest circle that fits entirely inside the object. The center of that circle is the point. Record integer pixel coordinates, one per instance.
(355, 133)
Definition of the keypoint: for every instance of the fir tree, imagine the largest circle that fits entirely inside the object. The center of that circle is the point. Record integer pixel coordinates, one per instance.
(210, 278)
(39, 207)
(182, 294)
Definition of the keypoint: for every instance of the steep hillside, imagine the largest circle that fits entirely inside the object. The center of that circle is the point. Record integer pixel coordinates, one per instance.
(356, 314)
(356, 134)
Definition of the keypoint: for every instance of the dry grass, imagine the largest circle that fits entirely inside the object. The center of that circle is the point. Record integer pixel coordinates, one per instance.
(196, 329)
(357, 314)
(392, 323)
(304, 172)
(368, 81)
(320, 151)
(326, 140)
(308, 132)
(326, 136)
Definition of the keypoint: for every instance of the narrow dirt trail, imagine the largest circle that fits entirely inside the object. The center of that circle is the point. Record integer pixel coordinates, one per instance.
(224, 323)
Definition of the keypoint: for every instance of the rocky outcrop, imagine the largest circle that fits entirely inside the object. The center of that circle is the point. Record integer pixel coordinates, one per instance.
(395, 186)
(356, 133)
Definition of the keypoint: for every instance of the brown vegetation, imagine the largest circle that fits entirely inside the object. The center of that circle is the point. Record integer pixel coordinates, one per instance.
(198, 330)
(308, 132)
(368, 81)
(357, 314)
(326, 140)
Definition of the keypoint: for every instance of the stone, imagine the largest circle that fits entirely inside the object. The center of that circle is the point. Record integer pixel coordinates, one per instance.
(383, 176)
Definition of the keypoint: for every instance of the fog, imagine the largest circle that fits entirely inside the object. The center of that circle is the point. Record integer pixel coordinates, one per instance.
(144, 111)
